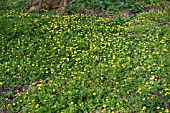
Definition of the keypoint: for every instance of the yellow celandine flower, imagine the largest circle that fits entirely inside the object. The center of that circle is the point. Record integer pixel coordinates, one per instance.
(36, 105)
(158, 107)
(72, 103)
(55, 106)
(1, 83)
(18, 94)
(104, 106)
(39, 88)
(75, 52)
(126, 100)
(166, 111)
(94, 93)
(144, 107)
(39, 85)
(167, 93)
(123, 85)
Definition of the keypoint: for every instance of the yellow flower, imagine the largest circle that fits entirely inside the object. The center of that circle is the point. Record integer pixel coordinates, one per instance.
(144, 107)
(104, 106)
(55, 106)
(166, 111)
(102, 39)
(114, 56)
(75, 52)
(167, 93)
(1, 83)
(117, 104)
(139, 89)
(94, 93)
(36, 105)
(39, 85)
(72, 103)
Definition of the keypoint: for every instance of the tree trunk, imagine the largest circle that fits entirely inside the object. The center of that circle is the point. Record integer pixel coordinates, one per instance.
(36, 5)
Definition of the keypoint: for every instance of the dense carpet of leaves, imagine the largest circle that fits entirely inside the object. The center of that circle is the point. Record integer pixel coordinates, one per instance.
(55, 58)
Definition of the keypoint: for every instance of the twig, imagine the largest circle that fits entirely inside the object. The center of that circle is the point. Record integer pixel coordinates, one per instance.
(72, 2)
(165, 23)
(39, 5)
(162, 99)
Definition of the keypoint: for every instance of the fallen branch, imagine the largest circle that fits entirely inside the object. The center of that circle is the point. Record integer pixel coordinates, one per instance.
(162, 99)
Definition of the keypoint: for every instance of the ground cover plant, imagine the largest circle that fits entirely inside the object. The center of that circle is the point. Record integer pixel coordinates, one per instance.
(84, 63)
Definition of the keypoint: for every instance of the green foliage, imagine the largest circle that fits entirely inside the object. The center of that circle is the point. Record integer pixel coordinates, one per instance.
(102, 6)
(113, 6)
(53, 59)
